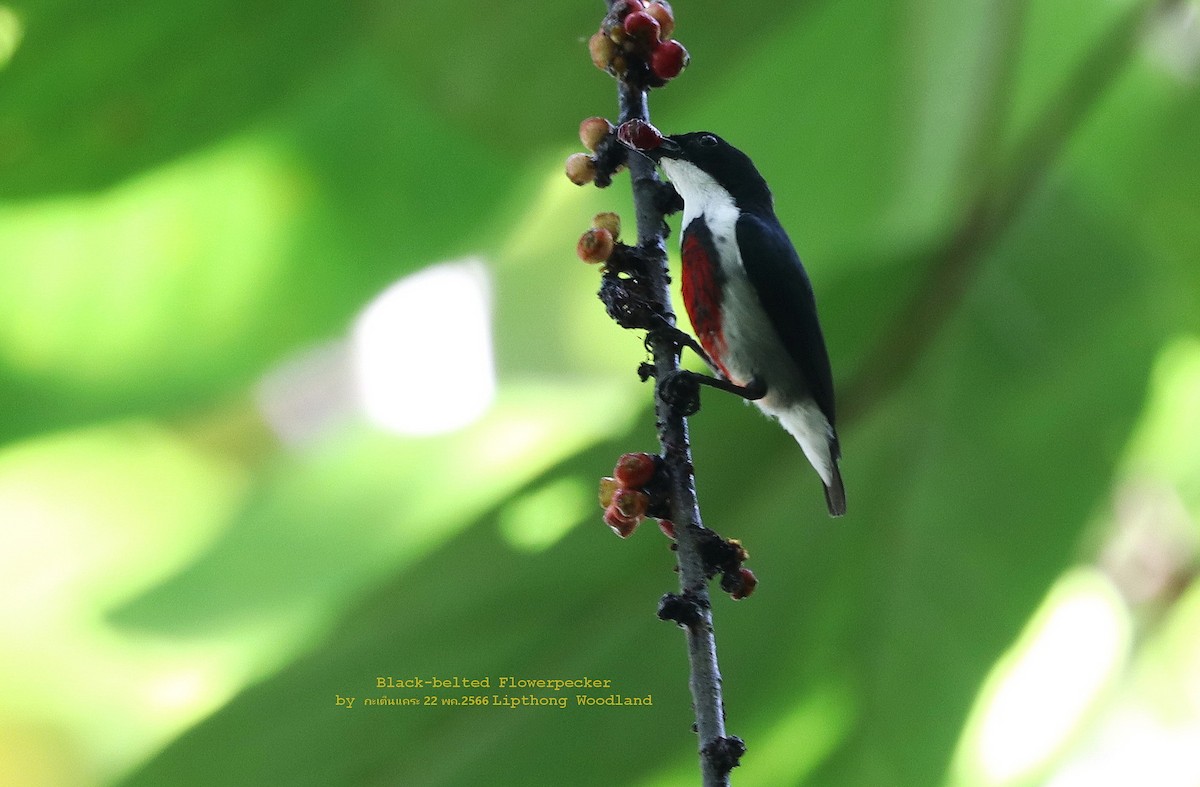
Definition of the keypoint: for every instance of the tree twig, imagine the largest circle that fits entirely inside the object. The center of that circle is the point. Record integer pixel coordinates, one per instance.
(691, 608)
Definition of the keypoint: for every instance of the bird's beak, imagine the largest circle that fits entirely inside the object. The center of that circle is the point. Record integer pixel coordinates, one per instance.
(669, 148)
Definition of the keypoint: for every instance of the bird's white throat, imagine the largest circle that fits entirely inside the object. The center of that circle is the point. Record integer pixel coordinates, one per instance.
(702, 195)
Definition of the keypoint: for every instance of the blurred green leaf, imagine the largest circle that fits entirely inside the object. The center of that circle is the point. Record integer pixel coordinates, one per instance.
(340, 516)
(100, 91)
(141, 298)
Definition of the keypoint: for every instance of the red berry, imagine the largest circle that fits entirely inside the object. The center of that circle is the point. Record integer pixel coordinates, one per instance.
(607, 487)
(642, 26)
(668, 59)
(662, 14)
(593, 131)
(633, 6)
(631, 503)
(622, 525)
(595, 245)
(580, 168)
(748, 583)
(602, 50)
(638, 134)
(634, 471)
(667, 527)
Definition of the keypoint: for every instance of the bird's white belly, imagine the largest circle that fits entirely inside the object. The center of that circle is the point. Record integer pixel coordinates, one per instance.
(752, 346)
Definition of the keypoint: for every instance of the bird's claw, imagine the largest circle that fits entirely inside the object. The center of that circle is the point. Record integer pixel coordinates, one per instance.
(681, 390)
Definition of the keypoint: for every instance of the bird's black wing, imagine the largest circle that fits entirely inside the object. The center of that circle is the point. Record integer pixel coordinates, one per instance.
(779, 278)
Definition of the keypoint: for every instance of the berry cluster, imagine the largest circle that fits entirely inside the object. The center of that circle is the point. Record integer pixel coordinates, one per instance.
(636, 490)
(625, 289)
(607, 156)
(634, 43)
(624, 497)
(726, 557)
(598, 243)
(737, 580)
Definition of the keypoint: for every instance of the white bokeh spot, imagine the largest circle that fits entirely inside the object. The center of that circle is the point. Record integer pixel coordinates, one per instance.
(422, 351)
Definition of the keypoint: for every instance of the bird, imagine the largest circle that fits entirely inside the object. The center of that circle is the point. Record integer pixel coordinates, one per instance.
(747, 293)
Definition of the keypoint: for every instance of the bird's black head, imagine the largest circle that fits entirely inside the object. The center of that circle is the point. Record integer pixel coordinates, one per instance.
(729, 167)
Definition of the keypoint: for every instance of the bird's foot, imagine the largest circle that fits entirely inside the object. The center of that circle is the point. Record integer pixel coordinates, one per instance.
(681, 389)
(751, 391)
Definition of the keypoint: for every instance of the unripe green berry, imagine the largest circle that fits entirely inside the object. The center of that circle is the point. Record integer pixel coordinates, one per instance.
(592, 132)
(607, 487)
(664, 16)
(608, 221)
(632, 503)
(580, 169)
(602, 49)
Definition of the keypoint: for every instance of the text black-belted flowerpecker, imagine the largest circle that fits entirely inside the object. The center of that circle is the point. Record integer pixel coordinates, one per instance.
(747, 294)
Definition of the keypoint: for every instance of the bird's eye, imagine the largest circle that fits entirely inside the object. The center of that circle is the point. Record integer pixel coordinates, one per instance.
(708, 141)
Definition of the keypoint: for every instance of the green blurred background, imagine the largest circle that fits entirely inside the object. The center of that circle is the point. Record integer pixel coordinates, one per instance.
(249, 461)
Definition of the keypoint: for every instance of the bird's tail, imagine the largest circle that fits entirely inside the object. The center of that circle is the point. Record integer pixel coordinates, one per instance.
(835, 493)
(820, 444)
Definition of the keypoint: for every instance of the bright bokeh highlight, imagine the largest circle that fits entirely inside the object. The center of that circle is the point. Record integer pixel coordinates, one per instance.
(11, 32)
(1041, 689)
(423, 351)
